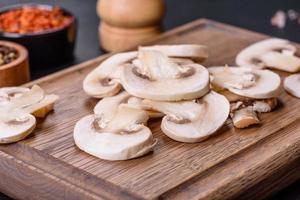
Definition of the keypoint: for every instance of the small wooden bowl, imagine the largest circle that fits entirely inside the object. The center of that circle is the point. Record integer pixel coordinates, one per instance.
(16, 72)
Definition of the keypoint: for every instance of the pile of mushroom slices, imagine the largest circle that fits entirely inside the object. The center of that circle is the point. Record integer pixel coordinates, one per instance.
(277, 54)
(19, 107)
(157, 81)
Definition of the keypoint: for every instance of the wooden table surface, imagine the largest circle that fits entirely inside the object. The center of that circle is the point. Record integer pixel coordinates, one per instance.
(250, 14)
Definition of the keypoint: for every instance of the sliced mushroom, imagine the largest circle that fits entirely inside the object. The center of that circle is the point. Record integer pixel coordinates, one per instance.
(103, 81)
(265, 105)
(108, 106)
(26, 101)
(189, 121)
(180, 61)
(43, 107)
(123, 137)
(194, 51)
(8, 93)
(16, 129)
(160, 78)
(244, 117)
(34, 95)
(244, 113)
(292, 85)
(252, 83)
(16, 122)
(136, 102)
(272, 53)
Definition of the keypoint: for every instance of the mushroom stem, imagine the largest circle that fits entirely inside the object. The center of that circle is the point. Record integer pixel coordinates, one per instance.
(244, 117)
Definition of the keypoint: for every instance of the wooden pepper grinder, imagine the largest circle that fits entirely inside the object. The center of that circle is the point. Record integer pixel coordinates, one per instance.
(127, 23)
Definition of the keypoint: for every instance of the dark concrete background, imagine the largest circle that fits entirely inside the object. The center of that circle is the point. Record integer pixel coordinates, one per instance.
(250, 14)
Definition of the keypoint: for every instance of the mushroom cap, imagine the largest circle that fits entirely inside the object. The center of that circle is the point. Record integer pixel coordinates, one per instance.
(103, 80)
(292, 85)
(16, 130)
(193, 51)
(272, 53)
(112, 146)
(160, 78)
(266, 84)
(189, 121)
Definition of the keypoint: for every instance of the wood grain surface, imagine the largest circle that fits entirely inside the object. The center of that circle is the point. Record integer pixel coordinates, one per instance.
(247, 164)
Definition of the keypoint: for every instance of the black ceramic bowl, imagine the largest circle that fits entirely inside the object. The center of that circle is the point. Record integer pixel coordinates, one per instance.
(48, 47)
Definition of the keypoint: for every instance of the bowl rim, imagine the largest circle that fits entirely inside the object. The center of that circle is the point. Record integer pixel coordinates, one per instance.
(23, 54)
(43, 33)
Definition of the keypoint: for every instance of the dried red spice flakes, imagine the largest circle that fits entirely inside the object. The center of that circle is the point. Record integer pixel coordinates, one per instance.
(33, 19)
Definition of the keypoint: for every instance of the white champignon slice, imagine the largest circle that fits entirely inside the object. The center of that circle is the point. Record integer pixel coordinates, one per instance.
(180, 61)
(43, 107)
(252, 83)
(8, 93)
(292, 85)
(16, 129)
(32, 101)
(244, 117)
(103, 80)
(108, 106)
(189, 121)
(231, 97)
(265, 105)
(126, 120)
(194, 51)
(159, 78)
(137, 103)
(34, 95)
(125, 137)
(272, 53)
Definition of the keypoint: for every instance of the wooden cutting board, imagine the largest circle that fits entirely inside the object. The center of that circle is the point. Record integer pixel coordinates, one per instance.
(248, 164)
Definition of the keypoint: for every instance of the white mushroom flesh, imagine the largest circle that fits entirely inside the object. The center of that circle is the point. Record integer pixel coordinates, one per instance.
(252, 83)
(244, 117)
(231, 97)
(33, 101)
(191, 121)
(272, 53)
(108, 106)
(16, 129)
(244, 113)
(9, 93)
(193, 51)
(104, 80)
(292, 85)
(160, 78)
(265, 105)
(124, 137)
